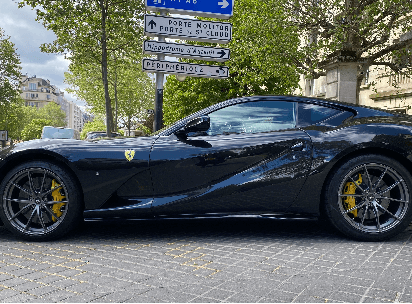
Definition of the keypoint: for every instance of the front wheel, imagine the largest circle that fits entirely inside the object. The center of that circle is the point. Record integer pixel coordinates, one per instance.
(369, 198)
(39, 201)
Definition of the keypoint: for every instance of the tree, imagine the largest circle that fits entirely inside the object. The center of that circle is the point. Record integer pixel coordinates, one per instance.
(10, 101)
(54, 113)
(369, 32)
(97, 124)
(131, 88)
(89, 31)
(34, 129)
(32, 120)
(257, 65)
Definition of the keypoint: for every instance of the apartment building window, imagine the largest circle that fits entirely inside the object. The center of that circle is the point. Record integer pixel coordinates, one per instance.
(32, 86)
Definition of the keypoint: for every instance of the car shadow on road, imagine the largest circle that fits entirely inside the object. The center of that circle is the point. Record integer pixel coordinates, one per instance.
(236, 228)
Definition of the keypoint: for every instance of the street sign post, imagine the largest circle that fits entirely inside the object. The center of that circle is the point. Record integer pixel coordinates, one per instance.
(3, 135)
(222, 9)
(190, 29)
(186, 69)
(3, 138)
(153, 47)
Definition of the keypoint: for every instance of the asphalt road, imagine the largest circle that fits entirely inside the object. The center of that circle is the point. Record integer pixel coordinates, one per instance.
(225, 260)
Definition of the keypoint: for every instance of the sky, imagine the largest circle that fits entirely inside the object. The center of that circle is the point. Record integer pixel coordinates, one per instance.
(27, 34)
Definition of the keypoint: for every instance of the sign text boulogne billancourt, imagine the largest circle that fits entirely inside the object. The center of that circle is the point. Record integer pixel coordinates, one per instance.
(222, 9)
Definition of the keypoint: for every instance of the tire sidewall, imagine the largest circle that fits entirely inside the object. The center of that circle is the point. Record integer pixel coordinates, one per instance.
(74, 208)
(331, 199)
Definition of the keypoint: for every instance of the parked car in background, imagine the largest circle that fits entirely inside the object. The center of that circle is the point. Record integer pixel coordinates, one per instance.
(59, 133)
(97, 134)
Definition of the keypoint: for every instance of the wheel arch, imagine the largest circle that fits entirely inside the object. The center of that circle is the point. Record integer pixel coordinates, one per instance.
(20, 158)
(402, 159)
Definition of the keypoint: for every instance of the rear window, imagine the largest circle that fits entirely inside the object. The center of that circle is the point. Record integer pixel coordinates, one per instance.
(310, 114)
(59, 133)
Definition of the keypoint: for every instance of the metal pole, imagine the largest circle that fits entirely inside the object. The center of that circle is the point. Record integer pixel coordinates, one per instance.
(158, 107)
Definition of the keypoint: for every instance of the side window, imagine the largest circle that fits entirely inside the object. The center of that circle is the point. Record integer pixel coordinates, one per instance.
(310, 114)
(253, 117)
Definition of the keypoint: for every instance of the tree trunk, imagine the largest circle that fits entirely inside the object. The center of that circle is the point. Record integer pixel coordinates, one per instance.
(115, 102)
(109, 117)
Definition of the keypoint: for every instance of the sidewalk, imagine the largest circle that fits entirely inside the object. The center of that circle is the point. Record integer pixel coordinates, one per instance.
(225, 260)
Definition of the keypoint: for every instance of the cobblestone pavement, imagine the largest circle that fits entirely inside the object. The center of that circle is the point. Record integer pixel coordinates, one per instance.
(225, 260)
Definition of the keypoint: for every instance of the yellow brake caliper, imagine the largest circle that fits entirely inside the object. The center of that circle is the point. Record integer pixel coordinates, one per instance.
(349, 201)
(57, 197)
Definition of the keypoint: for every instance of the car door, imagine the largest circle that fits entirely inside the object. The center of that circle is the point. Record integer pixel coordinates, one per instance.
(252, 159)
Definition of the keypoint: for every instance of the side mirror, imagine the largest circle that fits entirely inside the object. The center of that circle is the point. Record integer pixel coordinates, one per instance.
(198, 124)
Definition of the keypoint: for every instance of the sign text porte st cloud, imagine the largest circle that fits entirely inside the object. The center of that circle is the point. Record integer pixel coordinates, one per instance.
(221, 9)
(191, 29)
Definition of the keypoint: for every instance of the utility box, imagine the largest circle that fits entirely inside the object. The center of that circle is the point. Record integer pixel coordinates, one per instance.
(3, 138)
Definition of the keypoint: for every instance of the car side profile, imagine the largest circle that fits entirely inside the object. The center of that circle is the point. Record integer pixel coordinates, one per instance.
(260, 155)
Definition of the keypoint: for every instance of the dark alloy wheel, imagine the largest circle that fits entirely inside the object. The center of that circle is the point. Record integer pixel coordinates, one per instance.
(369, 198)
(39, 201)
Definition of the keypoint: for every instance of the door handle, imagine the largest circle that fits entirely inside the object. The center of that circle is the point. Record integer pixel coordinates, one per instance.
(297, 147)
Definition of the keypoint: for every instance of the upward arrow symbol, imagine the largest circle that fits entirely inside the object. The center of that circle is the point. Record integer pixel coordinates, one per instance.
(152, 23)
(223, 3)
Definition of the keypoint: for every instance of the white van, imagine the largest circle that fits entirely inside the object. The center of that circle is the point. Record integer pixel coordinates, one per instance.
(58, 132)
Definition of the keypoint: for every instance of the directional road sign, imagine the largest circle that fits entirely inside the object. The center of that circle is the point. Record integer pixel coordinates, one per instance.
(189, 51)
(191, 29)
(183, 68)
(222, 9)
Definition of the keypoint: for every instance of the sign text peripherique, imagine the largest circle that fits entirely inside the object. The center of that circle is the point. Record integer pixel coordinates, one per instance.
(183, 68)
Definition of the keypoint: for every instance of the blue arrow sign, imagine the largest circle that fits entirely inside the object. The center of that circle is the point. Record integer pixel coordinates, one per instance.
(222, 9)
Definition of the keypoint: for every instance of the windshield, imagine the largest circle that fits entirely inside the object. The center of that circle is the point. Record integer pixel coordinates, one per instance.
(60, 133)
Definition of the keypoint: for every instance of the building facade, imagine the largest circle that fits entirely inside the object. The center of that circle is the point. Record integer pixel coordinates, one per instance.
(377, 90)
(381, 87)
(37, 92)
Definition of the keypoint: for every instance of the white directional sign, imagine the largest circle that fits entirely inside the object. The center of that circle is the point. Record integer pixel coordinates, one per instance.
(189, 51)
(187, 69)
(222, 9)
(191, 29)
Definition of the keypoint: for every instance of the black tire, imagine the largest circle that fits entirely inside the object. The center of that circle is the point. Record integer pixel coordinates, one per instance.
(39, 201)
(368, 198)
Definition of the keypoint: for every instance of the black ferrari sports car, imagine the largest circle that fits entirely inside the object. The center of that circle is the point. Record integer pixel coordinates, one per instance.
(348, 164)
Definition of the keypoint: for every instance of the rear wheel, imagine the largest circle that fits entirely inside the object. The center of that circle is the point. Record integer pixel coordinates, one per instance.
(39, 201)
(368, 198)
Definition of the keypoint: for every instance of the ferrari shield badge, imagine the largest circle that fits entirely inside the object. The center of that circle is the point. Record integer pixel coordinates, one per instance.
(129, 154)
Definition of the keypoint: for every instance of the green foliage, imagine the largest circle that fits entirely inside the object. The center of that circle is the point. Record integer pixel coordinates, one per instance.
(131, 88)
(54, 113)
(257, 65)
(97, 124)
(34, 129)
(370, 32)
(93, 33)
(10, 101)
